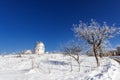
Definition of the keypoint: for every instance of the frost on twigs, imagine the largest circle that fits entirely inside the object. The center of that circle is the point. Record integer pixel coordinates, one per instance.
(95, 35)
(73, 50)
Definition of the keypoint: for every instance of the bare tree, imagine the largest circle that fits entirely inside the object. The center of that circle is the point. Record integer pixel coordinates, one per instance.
(94, 34)
(73, 50)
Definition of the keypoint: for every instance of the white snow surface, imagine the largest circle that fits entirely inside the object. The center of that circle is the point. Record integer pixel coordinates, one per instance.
(56, 67)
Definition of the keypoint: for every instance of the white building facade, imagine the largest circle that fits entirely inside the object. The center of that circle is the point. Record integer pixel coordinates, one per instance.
(39, 48)
(27, 52)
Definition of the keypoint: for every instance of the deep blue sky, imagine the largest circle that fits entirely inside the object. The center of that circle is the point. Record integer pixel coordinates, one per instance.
(23, 22)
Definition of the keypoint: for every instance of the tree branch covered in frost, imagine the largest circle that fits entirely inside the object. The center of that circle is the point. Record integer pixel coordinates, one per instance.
(73, 50)
(95, 34)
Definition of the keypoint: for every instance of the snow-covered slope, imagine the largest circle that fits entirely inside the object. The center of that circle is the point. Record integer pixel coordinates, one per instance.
(109, 70)
(56, 67)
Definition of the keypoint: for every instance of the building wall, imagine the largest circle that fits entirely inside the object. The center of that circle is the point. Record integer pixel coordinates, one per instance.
(27, 52)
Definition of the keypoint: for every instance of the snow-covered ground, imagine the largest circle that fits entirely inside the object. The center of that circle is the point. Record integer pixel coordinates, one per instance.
(56, 67)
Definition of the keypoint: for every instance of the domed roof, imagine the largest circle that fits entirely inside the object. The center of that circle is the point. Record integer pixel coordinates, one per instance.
(40, 44)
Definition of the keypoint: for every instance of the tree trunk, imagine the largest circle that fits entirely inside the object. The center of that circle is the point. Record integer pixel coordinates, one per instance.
(71, 67)
(96, 57)
(79, 66)
(32, 63)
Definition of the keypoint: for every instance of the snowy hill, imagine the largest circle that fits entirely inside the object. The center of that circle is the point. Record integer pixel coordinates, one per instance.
(56, 67)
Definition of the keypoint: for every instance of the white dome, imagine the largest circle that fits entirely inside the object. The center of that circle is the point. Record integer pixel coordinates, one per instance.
(40, 44)
(39, 48)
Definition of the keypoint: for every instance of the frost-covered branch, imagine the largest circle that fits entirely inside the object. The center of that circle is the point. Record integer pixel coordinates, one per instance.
(95, 34)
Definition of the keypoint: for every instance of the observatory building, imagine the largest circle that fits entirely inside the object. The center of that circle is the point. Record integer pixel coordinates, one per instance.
(39, 48)
(27, 52)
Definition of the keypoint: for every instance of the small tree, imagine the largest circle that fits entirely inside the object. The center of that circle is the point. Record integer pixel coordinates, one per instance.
(73, 50)
(94, 34)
